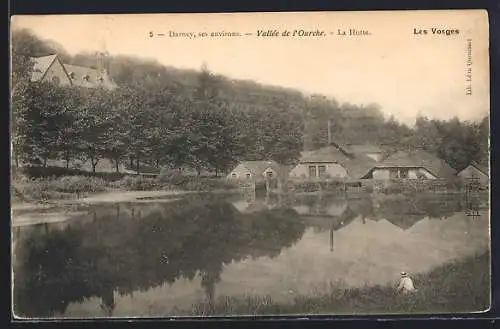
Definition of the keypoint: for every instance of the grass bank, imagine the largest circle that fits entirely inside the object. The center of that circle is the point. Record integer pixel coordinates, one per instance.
(25, 189)
(456, 287)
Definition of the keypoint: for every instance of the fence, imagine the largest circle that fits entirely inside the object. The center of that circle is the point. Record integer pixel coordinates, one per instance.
(414, 185)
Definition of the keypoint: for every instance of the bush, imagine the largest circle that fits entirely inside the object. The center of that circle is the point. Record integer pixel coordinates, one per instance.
(59, 188)
(78, 184)
(176, 180)
(137, 183)
(46, 172)
(171, 177)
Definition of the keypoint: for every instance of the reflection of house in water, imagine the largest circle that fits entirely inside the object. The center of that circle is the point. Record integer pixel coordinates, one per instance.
(401, 212)
(250, 204)
(327, 215)
(405, 212)
(404, 221)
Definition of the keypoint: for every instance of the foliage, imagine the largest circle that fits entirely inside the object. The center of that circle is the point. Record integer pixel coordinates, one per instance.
(52, 171)
(137, 183)
(163, 117)
(64, 187)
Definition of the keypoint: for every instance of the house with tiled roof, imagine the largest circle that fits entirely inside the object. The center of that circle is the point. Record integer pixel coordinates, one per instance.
(52, 69)
(417, 164)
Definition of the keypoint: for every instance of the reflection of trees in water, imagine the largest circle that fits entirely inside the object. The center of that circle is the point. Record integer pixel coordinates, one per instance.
(123, 253)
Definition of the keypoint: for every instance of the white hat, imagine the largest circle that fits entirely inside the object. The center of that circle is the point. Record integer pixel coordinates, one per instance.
(404, 274)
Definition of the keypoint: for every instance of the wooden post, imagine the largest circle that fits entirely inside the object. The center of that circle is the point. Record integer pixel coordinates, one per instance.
(331, 238)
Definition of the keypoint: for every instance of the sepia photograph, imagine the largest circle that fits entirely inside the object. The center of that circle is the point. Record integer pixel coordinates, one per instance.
(250, 164)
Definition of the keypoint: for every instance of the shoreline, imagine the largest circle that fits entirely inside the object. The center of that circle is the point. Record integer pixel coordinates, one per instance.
(113, 196)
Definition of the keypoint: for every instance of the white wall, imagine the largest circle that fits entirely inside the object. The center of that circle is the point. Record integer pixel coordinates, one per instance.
(241, 172)
(333, 170)
(385, 173)
(472, 172)
(56, 70)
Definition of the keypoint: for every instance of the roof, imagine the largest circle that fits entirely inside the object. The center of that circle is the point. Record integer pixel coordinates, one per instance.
(419, 159)
(77, 74)
(359, 166)
(304, 154)
(405, 221)
(258, 167)
(326, 154)
(363, 148)
(41, 65)
(344, 219)
(327, 221)
(340, 145)
(479, 167)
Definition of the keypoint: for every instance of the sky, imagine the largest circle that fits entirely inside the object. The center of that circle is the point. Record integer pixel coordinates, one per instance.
(407, 74)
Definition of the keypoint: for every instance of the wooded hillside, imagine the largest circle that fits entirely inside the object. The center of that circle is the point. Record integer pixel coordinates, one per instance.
(164, 116)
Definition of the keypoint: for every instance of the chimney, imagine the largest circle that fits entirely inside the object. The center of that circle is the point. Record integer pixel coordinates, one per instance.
(329, 131)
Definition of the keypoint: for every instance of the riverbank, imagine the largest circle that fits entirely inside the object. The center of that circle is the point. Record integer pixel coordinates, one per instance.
(457, 287)
(27, 192)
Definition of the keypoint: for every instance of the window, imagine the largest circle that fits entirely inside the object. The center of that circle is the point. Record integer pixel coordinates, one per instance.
(248, 176)
(321, 171)
(86, 77)
(393, 173)
(312, 171)
(233, 175)
(56, 80)
(403, 173)
(269, 174)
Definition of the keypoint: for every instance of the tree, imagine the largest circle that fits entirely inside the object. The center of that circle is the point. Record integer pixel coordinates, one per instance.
(68, 133)
(95, 122)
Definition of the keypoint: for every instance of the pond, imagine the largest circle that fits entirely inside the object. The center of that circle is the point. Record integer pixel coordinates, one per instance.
(160, 259)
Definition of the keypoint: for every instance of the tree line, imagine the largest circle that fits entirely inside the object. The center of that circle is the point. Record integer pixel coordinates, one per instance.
(162, 116)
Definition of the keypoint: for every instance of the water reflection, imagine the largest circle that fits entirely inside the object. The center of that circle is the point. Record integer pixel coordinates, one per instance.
(125, 252)
(120, 249)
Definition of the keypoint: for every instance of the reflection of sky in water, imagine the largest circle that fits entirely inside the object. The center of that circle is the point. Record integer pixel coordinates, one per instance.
(372, 250)
(372, 253)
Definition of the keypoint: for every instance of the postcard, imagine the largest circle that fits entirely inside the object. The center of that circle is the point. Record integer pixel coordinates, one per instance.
(250, 164)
